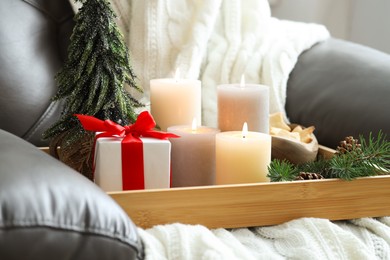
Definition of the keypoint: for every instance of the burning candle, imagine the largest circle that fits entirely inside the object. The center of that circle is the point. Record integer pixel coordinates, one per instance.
(193, 155)
(175, 101)
(242, 156)
(239, 103)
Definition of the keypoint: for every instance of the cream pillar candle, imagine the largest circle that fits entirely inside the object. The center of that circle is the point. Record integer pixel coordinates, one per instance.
(175, 101)
(193, 156)
(239, 103)
(242, 157)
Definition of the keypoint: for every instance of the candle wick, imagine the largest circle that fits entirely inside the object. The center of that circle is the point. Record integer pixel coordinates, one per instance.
(242, 84)
(177, 75)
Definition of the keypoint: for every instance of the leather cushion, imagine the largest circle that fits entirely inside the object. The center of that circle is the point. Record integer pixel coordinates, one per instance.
(341, 88)
(49, 211)
(34, 35)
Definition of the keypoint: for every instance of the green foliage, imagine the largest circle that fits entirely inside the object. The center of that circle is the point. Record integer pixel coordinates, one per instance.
(98, 67)
(282, 170)
(373, 158)
(320, 166)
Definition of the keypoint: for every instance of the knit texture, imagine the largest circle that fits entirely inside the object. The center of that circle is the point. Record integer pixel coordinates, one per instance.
(217, 41)
(305, 238)
(214, 41)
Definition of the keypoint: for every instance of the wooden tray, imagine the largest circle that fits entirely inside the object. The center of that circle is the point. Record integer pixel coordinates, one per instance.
(261, 204)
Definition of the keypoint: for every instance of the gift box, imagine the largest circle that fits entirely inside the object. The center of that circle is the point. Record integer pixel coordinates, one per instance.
(149, 170)
(130, 157)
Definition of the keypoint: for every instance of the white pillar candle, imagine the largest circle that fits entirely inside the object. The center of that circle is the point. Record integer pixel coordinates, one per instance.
(193, 155)
(175, 101)
(242, 157)
(239, 103)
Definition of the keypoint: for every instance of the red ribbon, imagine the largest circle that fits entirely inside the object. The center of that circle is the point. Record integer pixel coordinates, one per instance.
(132, 147)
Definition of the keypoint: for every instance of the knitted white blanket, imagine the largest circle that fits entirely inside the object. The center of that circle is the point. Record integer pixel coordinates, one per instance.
(306, 238)
(217, 41)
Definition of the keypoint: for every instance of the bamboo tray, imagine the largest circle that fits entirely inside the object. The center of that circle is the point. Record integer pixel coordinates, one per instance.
(260, 204)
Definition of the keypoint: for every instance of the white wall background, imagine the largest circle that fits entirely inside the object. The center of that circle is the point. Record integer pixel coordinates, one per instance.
(362, 21)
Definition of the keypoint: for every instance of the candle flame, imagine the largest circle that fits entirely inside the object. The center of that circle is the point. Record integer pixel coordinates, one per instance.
(194, 125)
(177, 74)
(244, 130)
(242, 84)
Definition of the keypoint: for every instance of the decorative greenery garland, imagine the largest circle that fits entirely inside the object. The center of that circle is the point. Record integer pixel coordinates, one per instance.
(352, 160)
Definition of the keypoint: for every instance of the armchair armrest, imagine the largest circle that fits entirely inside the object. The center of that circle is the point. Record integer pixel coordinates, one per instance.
(49, 211)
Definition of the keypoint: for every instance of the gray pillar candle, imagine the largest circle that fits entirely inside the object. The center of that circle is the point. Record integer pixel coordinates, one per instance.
(239, 103)
(193, 156)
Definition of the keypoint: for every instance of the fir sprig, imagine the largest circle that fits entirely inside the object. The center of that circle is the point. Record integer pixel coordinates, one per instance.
(377, 150)
(320, 166)
(282, 170)
(372, 158)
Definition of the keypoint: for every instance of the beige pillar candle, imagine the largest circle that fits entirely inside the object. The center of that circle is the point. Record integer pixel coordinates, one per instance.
(175, 101)
(193, 155)
(239, 103)
(242, 157)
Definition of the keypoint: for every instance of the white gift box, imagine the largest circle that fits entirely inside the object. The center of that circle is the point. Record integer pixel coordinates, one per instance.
(108, 163)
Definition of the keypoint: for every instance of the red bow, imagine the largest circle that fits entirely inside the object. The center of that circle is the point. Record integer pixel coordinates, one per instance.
(143, 126)
(132, 147)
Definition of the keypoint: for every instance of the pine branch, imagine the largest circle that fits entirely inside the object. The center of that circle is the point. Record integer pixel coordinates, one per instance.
(369, 158)
(282, 170)
(320, 166)
(349, 167)
(377, 150)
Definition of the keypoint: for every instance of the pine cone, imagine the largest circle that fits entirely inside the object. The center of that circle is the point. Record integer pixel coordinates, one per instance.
(308, 176)
(348, 145)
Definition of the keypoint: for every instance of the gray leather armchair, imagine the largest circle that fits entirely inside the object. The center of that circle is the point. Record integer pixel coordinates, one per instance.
(49, 211)
(34, 36)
